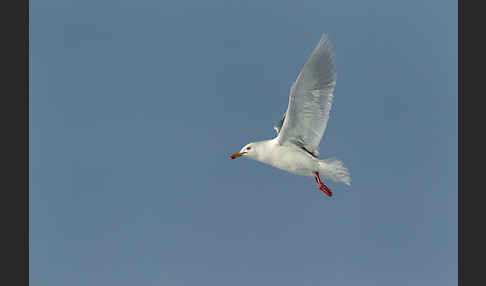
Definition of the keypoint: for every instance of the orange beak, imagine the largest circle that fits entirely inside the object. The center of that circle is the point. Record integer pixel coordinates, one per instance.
(237, 154)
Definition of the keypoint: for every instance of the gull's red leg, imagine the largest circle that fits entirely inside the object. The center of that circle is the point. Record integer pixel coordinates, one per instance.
(321, 186)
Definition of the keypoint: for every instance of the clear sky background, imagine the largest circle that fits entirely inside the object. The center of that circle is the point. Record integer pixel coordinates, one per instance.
(136, 106)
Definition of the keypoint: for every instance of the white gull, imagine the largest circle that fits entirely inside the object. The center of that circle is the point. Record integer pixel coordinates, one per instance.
(299, 132)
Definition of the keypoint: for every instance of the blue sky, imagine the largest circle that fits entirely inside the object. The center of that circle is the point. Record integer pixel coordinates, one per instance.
(136, 106)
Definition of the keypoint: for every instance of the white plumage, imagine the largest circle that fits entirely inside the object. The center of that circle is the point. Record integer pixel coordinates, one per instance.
(299, 132)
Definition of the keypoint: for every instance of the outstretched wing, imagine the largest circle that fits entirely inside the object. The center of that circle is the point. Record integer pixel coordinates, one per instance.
(305, 120)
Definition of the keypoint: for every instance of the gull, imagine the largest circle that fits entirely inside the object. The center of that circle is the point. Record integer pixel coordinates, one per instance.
(299, 132)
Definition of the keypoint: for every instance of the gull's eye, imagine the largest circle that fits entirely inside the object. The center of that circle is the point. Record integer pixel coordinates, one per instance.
(248, 148)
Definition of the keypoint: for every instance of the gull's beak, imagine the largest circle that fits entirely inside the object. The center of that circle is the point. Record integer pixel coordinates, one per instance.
(237, 154)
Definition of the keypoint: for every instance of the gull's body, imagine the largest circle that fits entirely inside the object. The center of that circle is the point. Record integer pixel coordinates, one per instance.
(285, 157)
(299, 132)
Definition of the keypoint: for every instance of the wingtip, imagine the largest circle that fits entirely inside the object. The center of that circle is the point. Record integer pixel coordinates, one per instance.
(325, 41)
(324, 37)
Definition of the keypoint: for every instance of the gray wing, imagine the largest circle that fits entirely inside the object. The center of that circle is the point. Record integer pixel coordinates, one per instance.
(305, 120)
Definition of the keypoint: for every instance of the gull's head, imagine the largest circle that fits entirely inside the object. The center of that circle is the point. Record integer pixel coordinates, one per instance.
(247, 150)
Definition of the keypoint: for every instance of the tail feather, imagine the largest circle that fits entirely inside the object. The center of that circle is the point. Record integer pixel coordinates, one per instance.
(334, 169)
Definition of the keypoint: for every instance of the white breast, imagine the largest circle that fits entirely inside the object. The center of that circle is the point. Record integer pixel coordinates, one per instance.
(290, 159)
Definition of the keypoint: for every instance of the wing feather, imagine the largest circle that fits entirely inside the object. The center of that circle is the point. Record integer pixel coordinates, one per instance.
(305, 120)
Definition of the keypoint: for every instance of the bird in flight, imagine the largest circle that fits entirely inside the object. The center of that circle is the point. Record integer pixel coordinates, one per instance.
(299, 132)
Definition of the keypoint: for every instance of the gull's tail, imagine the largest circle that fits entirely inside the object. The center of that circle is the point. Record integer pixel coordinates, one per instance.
(334, 169)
